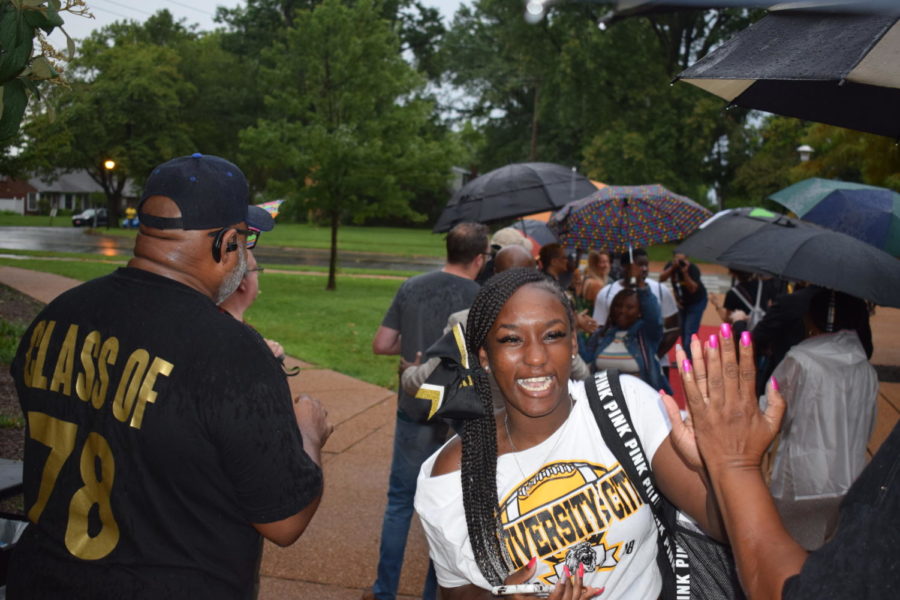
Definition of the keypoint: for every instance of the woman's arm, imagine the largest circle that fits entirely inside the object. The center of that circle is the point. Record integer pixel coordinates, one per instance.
(732, 435)
(667, 272)
(687, 488)
(652, 328)
(688, 282)
(590, 348)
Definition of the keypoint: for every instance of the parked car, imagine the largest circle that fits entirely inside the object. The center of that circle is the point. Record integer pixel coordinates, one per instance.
(86, 218)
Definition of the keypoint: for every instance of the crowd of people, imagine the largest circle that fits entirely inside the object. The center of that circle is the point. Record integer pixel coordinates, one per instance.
(191, 450)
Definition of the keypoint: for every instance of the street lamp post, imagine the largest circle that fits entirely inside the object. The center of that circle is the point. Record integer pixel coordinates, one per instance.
(108, 164)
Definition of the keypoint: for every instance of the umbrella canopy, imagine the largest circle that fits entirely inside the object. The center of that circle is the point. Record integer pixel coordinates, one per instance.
(836, 68)
(724, 228)
(826, 258)
(513, 191)
(617, 217)
(536, 230)
(271, 206)
(867, 212)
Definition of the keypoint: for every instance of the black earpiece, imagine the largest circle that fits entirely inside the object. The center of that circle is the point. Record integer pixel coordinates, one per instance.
(217, 245)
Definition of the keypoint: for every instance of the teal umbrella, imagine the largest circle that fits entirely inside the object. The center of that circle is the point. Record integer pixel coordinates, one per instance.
(868, 213)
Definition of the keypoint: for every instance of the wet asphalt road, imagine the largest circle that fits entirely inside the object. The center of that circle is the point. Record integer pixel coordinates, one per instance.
(76, 239)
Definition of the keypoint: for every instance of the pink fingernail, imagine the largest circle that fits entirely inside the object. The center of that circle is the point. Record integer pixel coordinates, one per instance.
(745, 338)
(695, 337)
(532, 561)
(581, 570)
(726, 330)
(713, 341)
(687, 366)
(774, 384)
(600, 591)
(566, 571)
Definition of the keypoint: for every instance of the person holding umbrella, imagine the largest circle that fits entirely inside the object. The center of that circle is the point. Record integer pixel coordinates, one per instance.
(671, 320)
(629, 339)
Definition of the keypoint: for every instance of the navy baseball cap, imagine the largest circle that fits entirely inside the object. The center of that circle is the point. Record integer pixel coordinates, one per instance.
(210, 191)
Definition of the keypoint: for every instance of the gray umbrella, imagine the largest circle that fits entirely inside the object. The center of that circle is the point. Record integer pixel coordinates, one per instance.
(835, 68)
(826, 258)
(513, 191)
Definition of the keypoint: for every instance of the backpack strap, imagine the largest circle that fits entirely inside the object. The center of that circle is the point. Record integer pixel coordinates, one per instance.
(607, 402)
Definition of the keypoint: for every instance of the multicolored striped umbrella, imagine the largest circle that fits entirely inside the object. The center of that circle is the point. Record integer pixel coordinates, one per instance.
(271, 206)
(619, 217)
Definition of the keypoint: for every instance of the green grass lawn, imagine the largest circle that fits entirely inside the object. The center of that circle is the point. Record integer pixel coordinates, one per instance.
(330, 329)
(8, 219)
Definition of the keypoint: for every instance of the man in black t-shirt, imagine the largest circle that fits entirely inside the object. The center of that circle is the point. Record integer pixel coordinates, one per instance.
(414, 321)
(161, 437)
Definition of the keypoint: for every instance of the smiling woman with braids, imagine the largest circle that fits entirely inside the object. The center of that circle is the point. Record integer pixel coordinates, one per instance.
(532, 493)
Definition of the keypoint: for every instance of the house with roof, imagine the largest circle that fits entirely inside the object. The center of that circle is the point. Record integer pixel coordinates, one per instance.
(73, 191)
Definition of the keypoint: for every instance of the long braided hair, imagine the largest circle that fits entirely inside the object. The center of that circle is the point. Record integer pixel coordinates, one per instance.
(479, 437)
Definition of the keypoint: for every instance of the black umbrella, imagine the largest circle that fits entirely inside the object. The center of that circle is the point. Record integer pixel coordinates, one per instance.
(536, 230)
(820, 256)
(514, 191)
(719, 232)
(835, 68)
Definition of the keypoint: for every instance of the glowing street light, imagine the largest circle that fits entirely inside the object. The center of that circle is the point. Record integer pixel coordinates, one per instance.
(109, 164)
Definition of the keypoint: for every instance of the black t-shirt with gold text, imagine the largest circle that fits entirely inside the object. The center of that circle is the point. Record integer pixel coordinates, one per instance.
(158, 430)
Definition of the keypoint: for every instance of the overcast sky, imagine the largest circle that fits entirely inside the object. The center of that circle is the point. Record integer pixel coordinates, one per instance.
(194, 11)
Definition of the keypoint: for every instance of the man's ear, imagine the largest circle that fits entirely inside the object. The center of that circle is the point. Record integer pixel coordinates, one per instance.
(231, 241)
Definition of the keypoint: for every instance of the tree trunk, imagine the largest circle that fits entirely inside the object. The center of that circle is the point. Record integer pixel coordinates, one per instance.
(332, 261)
(532, 155)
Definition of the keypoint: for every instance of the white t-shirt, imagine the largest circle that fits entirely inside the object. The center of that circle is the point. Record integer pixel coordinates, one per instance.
(667, 304)
(564, 500)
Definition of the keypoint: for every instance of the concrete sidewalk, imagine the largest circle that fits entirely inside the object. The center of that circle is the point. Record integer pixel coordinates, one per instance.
(336, 557)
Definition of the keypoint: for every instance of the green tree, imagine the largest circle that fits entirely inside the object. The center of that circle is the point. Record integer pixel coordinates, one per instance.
(564, 91)
(851, 156)
(124, 102)
(342, 133)
(140, 94)
(770, 168)
(838, 153)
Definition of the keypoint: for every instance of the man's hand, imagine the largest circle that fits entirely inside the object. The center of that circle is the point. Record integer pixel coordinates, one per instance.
(405, 364)
(312, 419)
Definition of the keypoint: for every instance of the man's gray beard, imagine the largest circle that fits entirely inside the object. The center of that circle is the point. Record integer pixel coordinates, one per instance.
(233, 280)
